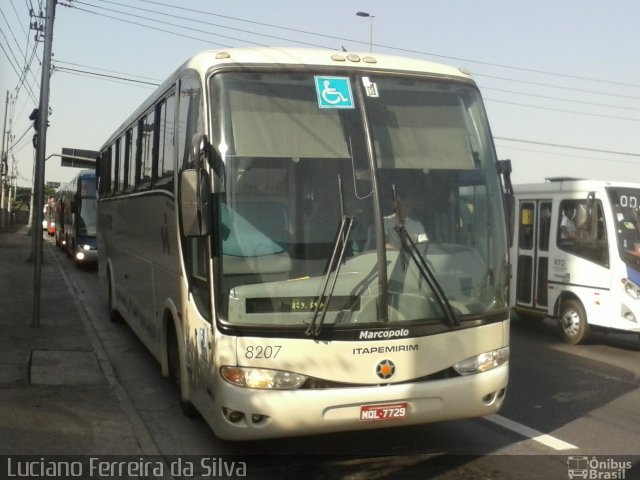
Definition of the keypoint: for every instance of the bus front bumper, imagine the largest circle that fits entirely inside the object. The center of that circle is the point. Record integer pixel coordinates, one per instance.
(243, 414)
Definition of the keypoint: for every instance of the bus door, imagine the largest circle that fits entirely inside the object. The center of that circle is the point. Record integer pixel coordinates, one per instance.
(197, 327)
(534, 227)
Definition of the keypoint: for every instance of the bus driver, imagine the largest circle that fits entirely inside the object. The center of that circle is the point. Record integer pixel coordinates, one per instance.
(401, 216)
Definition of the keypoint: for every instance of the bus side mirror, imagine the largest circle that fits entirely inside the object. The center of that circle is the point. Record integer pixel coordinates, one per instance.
(195, 209)
(195, 190)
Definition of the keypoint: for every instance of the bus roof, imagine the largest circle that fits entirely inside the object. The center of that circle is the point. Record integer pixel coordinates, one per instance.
(315, 57)
(562, 185)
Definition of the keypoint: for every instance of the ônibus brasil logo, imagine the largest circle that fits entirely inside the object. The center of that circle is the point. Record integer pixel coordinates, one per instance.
(383, 334)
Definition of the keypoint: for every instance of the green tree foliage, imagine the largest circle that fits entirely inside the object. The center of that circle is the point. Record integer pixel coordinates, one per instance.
(23, 199)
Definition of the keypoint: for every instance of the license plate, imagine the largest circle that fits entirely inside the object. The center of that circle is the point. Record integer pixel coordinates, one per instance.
(376, 413)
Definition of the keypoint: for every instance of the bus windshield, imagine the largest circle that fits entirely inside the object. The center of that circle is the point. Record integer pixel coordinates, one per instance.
(406, 162)
(87, 217)
(86, 214)
(626, 209)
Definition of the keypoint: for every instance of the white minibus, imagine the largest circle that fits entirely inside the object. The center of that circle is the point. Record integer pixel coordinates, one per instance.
(575, 255)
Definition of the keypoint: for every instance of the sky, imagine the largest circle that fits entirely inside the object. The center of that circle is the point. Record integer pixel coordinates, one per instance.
(560, 80)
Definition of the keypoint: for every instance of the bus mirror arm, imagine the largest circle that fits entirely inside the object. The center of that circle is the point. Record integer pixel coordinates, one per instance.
(199, 150)
(203, 156)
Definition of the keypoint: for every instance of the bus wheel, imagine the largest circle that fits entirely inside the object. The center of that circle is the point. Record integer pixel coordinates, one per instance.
(572, 322)
(174, 372)
(114, 315)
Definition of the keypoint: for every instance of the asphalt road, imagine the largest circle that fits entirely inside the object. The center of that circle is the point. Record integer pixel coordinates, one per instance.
(564, 403)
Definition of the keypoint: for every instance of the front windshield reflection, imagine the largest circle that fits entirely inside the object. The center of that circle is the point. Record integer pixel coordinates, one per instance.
(286, 195)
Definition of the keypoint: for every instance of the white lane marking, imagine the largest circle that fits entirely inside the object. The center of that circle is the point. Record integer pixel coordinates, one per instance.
(534, 435)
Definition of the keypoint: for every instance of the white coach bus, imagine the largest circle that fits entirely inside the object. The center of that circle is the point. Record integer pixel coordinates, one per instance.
(576, 255)
(311, 241)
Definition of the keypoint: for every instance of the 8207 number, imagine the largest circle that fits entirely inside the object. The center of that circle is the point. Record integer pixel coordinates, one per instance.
(259, 351)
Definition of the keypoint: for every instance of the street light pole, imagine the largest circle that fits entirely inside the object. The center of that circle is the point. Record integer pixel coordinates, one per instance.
(4, 170)
(371, 17)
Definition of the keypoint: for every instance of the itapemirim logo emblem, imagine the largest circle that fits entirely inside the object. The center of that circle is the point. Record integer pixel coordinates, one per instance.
(581, 466)
(385, 369)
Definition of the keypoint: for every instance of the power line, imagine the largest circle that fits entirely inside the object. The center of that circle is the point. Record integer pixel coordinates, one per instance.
(280, 27)
(348, 40)
(23, 76)
(573, 89)
(11, 31)
(15, 69)
(148, 27)
(562, 110)
(107, 70)
(160, 22)
(113, 77)
(198, 21)
(399, 49)
(13, 145)
(479, 62)
(25, 32)
(572, 147)
(546, 97)
(17, 62)
(26, 67)
(569, 155)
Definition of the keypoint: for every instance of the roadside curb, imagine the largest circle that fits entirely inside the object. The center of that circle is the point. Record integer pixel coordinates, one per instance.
(142, 434)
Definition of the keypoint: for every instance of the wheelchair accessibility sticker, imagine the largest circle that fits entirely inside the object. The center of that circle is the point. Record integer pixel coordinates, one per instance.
(334, 92)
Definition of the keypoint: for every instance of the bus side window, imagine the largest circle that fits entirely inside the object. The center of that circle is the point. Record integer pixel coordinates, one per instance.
(545, 226)
(581, 233)
(132, 155)
(163, 175)
(190, 120)
(147, 126)
(526, 234)
(115, 166)
(122, 163)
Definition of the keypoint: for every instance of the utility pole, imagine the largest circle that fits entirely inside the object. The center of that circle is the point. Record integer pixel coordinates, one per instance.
(12, 172)
(38, 178)
(4, 167)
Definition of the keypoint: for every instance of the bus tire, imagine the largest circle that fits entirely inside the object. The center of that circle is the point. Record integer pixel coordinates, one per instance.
(173, 356)
(572, 322)
(114, 314)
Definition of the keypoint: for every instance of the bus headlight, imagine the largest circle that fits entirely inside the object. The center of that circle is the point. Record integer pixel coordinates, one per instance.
(86, 247)
(262, 378)
(631, 288)
(483, 362)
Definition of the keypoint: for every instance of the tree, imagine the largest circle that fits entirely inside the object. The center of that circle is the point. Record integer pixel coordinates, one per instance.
(22, 200)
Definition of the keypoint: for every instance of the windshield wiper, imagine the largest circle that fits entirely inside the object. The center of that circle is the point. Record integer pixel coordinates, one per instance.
(339, 248)
(335, 262)
(408, 245)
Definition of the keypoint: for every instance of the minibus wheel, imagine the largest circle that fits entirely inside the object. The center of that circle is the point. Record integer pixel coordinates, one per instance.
(572, 322)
